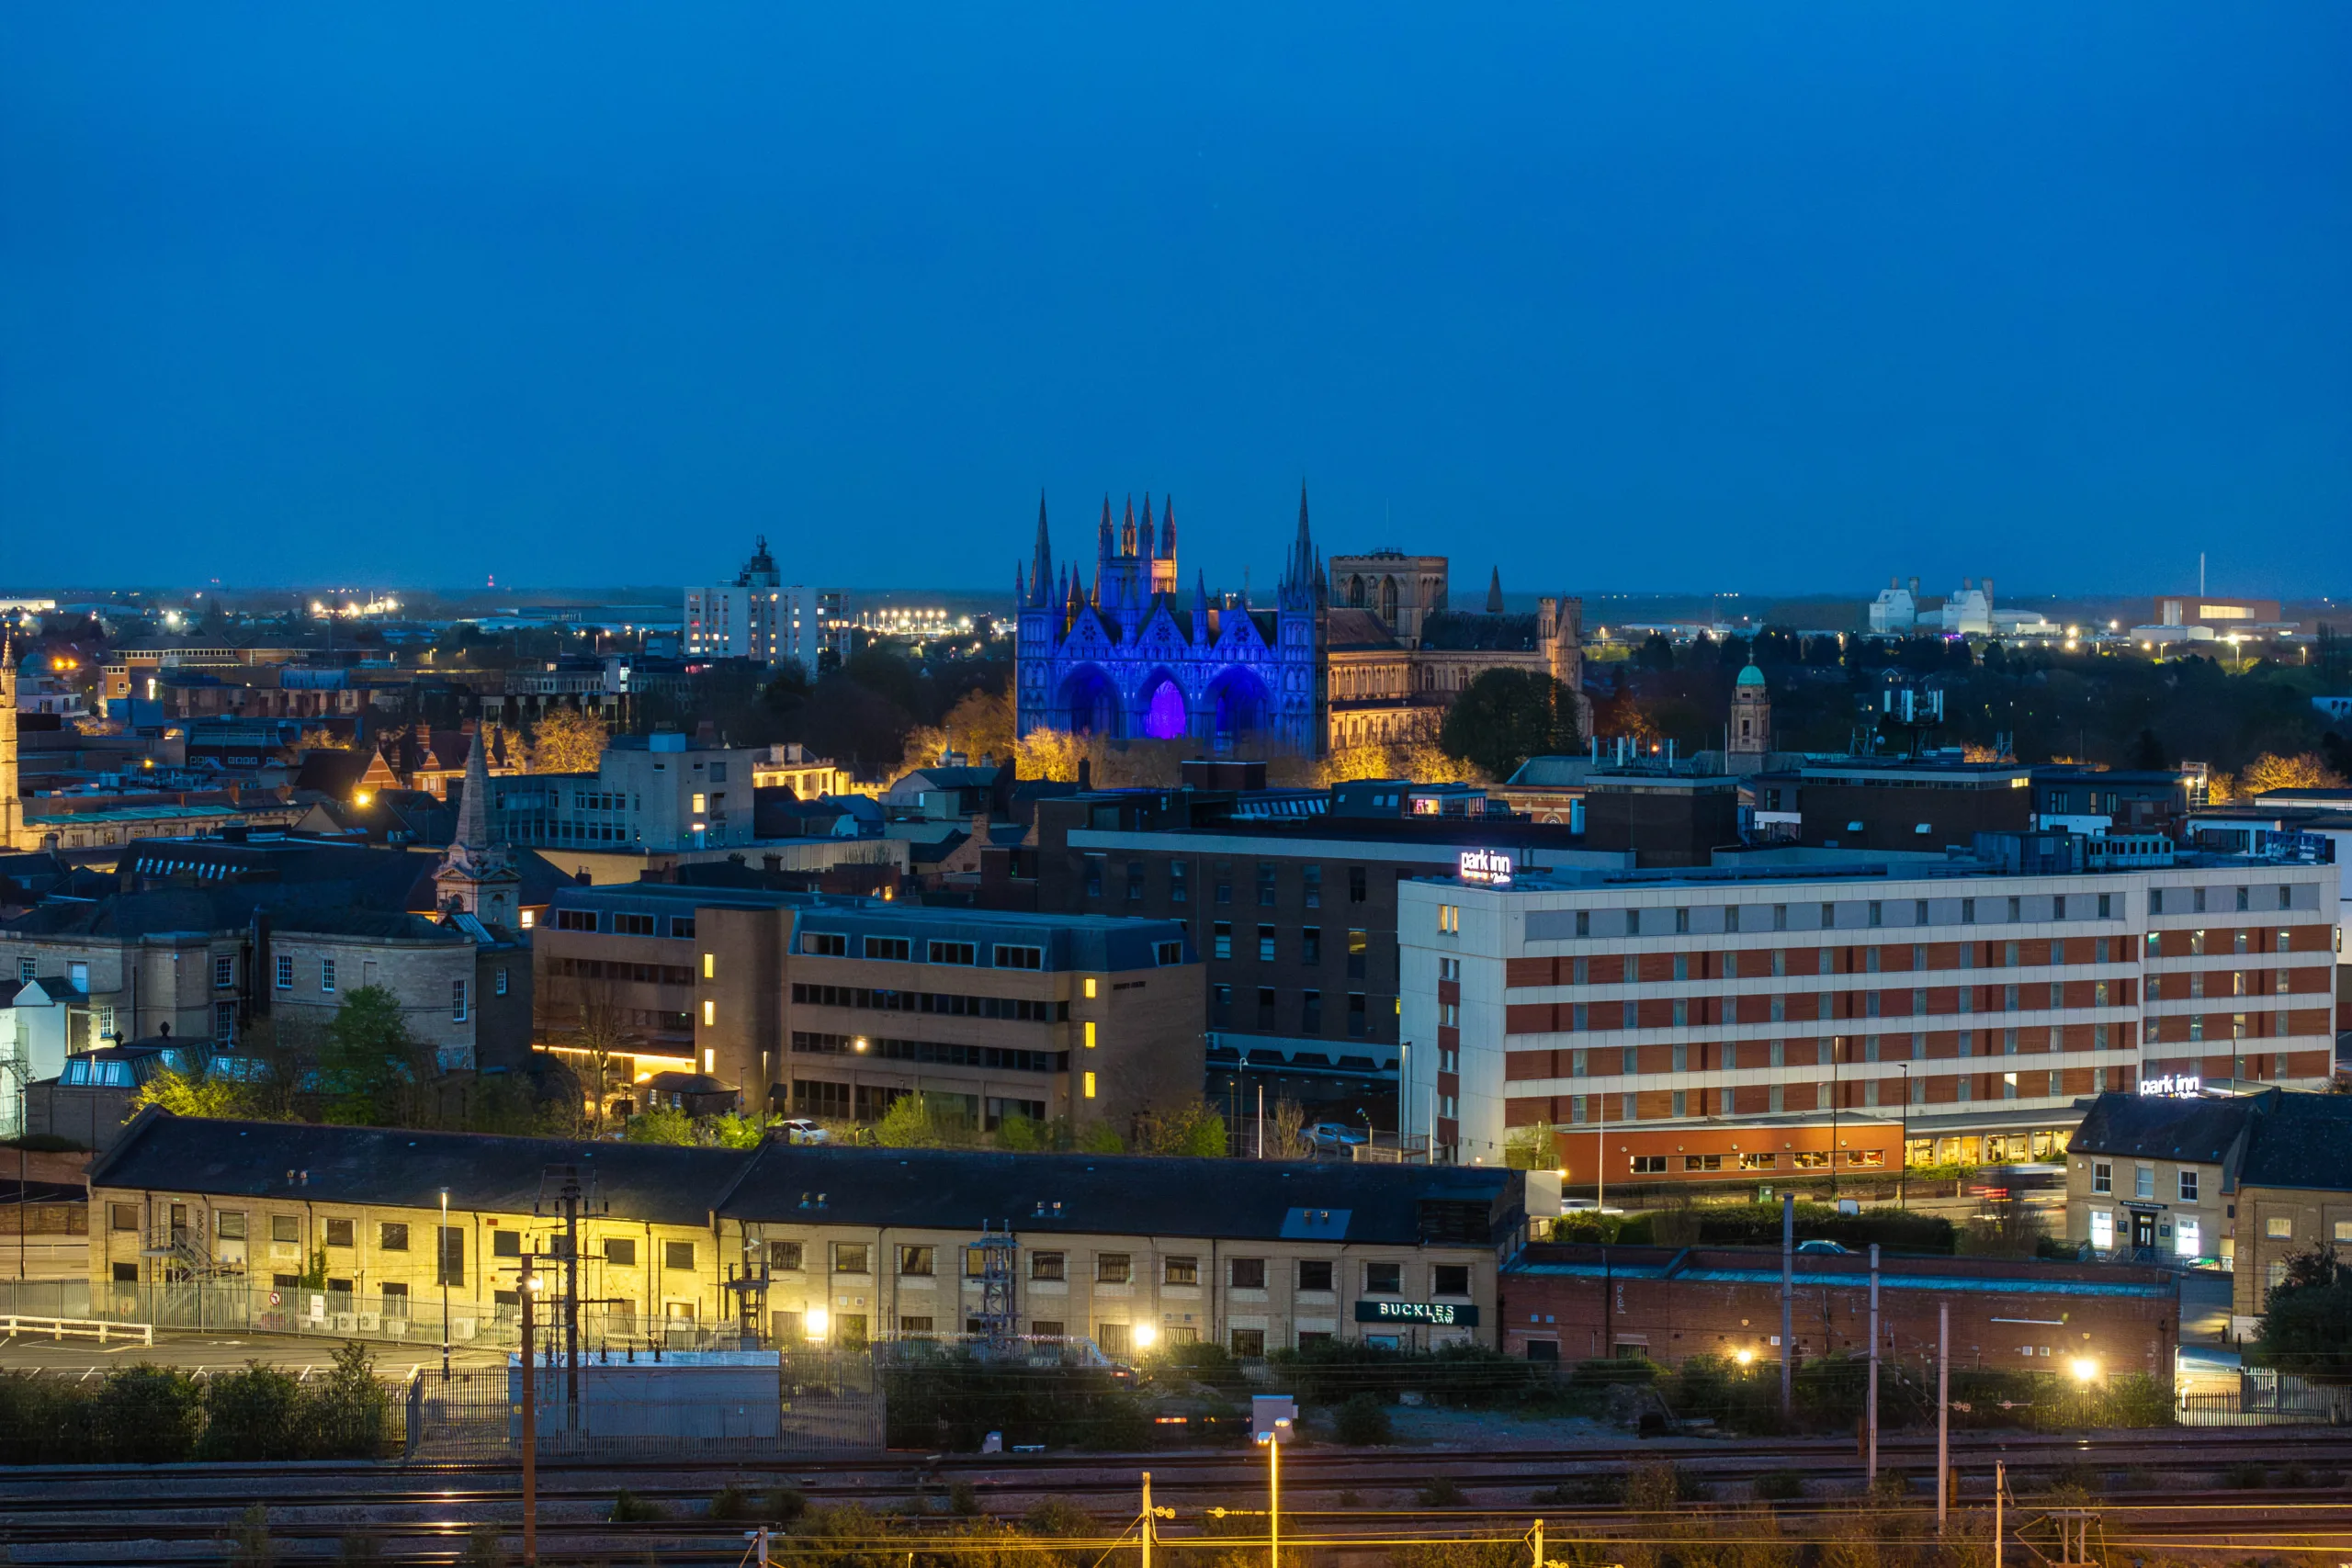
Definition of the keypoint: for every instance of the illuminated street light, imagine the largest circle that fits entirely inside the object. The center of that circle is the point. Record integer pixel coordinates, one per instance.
(2084, 1368)
(1144, 1336)
(818, 1322)
(1744, 1356)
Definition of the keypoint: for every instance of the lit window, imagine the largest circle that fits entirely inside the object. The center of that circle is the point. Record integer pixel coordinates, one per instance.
(1089, 1034)
(709, 964)
(1089, 988)
(1089, 1086)
(710, 1012)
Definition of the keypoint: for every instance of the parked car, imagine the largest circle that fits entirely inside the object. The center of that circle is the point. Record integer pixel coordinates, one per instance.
(1335, 1136)
(800, 1130)
(1819, 1244)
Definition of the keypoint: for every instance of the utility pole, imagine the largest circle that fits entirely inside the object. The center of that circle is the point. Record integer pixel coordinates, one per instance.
(1274, 1501)
(442, 1241)
(1262, 1121)
(569, 1201)
(529, 1293)
(1146, 1503)
(1943, 1411)
(1787, 1304)
(2000, 1484)
(1600, 1160)
(1873, 1393)
(1536, 1541)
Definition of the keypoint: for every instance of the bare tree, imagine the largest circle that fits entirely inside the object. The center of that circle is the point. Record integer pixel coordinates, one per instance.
(1285, 1129)
(599, 1032)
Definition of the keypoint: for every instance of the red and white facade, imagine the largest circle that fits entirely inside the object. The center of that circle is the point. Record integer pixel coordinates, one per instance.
(1948, 997)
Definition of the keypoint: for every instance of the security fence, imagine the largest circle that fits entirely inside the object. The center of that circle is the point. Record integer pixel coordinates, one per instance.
(2264, 1398)
(716, 1404)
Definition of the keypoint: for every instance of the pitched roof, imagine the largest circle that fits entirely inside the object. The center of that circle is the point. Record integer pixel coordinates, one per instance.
(2299, 1140)
(2158, 1127)
(1460, 631)
(662, 1183)
(1347, 628)
(1126, 1195)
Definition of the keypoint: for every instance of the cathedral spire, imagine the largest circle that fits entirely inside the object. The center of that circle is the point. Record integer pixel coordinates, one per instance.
(1104, 539)
(1495, 592)
(1128, 530)
(1144, 546)
(1298, 576)
(1041, 560)
(1168, 528)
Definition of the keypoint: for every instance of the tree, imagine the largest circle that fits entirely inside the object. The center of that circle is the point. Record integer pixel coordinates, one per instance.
(662, 1124)
(2148, 752)
(376, 1073)
(980, 724)
(568, 741)
(1507, 716)
(2272, 771)
(599, 1034)
(196, 1093)
(921, 1120)
(2307, 1322)
(1193, 1129)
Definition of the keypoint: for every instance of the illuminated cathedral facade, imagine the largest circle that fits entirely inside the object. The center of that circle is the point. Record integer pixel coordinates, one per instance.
(1129, 656)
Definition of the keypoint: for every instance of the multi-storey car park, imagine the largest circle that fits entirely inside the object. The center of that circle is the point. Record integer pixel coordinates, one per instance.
(1692, 1012)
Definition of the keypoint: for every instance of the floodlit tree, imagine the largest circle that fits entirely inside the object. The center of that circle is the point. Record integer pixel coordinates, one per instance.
(374, 1070)
(568, 741)
(2272, 771)
(1505, 717)
(978, 725)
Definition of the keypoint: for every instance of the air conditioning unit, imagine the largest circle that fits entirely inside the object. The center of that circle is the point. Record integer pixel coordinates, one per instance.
(461, 1328)
(342, 1323)
(370, 1323)
(396, 1327)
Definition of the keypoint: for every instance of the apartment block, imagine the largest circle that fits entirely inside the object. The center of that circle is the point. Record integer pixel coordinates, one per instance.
(1972, 1002)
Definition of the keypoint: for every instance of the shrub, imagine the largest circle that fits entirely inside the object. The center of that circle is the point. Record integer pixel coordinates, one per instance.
(250, 1545)
(148, 1415)
(628, 1508)
(1778, 1486)
(784, 1503)
(1442, 1492)
(349, 1416)
(1654, 1488)
(255, 1414)
(2247, 1475)
(963, 1498)
(1363, 1422)
(731, 1502)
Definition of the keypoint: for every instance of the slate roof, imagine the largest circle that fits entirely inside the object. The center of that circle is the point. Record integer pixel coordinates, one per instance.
(1234, 1199)
(661, 1183)
(2138, 1126)
(2299, 1140)
(324, 909)
(1353, 628)
(2271, 1139)
(1459, 630)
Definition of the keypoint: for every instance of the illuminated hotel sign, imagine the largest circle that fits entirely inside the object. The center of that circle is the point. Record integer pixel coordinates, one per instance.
(1489, 868)
(2186, 1085)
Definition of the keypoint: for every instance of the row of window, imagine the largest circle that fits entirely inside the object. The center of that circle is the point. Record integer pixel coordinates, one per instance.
(1026, 1010)
(614, 969)
(624, 922)
(1799, 1159)
(810, 1042)
(917, 1260)
(1310, 945)
(391, 1236)
(1731, 1056)
(2144, 1180)
(458, 989)
(1266, 885)
(2030, 1083)
(1784, 962)
(1831, 915)
(1310, 1011)
(1827, 1007)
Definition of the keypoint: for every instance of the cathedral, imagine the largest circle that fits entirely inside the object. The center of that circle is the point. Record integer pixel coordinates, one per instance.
(1128, 658)
(1369, 653)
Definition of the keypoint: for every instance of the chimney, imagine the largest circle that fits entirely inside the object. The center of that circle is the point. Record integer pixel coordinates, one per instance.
(1915, 588)
(1086, 772)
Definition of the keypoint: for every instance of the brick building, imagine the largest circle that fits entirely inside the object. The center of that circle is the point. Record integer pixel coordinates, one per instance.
(1574, 1303)
(1974, 1003)
(835, 1006)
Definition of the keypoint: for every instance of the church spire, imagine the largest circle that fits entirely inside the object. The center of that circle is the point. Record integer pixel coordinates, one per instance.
(1168, 529)
(477, 875)
(1145, 545)
(1128, 530)
(1495, 592)
(1298, 576)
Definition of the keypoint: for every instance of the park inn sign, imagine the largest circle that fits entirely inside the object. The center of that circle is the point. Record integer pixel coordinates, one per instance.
(1445, 1314)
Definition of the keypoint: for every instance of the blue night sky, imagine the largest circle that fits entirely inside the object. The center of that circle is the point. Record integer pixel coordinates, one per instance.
(1766, 297)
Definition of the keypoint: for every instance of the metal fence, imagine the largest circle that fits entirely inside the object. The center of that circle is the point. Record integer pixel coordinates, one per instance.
(742, 1407)
(2269, 1399)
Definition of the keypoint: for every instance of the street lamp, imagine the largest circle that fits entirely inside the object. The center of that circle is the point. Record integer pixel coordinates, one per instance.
(2085, 1370)
(1903, 1164)
(816, 1321)
(441, 1261)
(1143, 1335)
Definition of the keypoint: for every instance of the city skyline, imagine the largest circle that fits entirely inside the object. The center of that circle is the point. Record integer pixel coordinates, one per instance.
(1614, 301)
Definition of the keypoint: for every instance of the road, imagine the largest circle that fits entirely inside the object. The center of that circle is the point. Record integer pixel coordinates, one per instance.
(191, 1350)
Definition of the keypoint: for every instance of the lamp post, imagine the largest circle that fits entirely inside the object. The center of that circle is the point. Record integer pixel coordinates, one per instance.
(1903, 1164)
(441, 1242)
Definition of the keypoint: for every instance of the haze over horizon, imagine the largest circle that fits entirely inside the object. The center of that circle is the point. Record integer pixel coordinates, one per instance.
(1758, 301)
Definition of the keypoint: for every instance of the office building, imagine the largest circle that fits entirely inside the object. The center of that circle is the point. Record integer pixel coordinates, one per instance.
(835, 1007)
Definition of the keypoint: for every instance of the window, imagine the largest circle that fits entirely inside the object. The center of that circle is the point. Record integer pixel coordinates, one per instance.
(1222, 873)
(327, 974)
(1046, 1327)
(1360, 949)
(2102, 1176)
(1247, 1273)
(632, 925)
(451, 1269)
(917, 1262)
(2102, 1229)
(282, 1227)
(784, 1256)
(1383, 1279)
(284, 971)
(825, 944)
(500, 982)
(849, 1257)
(1649, 1165)
(1221, 939)
(508, 1244)
(1313, 877)
(395, 1299)
(914, 1325)
(1180, 1271)
(2278, 1227)
(232, 1224)
(1045, 1265)
(952, 953)
(682, 927)
(1113, 1269)
(339, 1233)
(1134, 882)
(1356, 890)
(1314, 1273)
(457, 1000)
(585, 920)
(2188, 1187)
(1450, 1280)
(1009, 957)
(1310, 944)
(1168, 952)
(224, 972)
(2143, 1181)
(1265, 885)
(391, 1236)
(678, 1254)
(1248, 1342)
(1265, 945)
(1178, 889)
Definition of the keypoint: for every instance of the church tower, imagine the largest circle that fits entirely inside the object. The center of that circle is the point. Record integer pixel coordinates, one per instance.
(1751, 723)
(477, 877)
